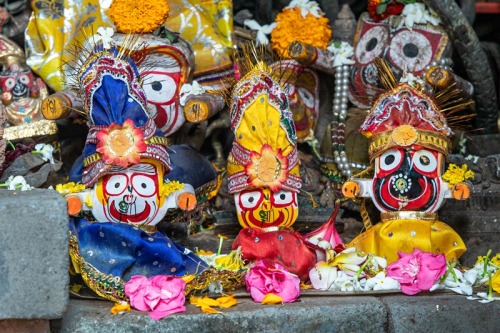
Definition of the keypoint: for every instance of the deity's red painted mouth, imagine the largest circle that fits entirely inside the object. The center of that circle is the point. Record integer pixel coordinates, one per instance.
(258, 223)
(131, 218)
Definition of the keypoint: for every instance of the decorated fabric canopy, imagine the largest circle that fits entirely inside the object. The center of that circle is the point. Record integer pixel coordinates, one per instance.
(53, 28)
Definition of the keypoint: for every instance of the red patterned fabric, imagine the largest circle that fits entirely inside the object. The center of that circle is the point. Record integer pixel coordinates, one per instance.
(285, 247)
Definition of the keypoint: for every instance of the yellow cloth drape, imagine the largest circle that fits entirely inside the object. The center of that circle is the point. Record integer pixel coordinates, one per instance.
(386, 238)
(206, 24)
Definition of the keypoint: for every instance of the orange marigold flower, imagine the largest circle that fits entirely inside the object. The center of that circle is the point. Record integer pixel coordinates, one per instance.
(132, 16)
(121, 145)
(293, 27)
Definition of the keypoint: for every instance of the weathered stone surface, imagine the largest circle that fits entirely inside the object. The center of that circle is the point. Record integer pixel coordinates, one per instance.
(33, 254)
(315, 312)
(25, 326)
(444, 313)
(311, 314)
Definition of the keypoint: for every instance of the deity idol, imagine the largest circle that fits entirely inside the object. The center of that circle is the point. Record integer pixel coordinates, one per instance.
(408, 142)
(127, 190)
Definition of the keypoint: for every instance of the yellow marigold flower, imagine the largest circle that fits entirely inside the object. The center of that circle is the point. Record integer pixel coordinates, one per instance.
(496, 259)
(455, 174)
(69, 188)
(132, 16)
(231, 261)
(292, 27)
(206, 303)
(171, 186)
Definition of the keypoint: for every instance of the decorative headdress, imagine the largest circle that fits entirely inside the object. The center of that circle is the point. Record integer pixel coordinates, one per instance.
(405, 116)
(264, 152)
(120, 129)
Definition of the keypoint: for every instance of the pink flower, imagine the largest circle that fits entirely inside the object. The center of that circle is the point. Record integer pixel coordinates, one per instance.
(264, 278)
(134, 289)
(161, 295)
(417, 271)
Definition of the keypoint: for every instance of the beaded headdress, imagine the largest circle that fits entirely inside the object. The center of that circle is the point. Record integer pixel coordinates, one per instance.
(405, 116)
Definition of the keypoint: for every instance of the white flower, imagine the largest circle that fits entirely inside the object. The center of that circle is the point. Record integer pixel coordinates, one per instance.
(306, 7)
(345, 282)
(105, 35)
(417, 13)
(381, 282)
(342, 53)
(17, 183)
(262, 30)
(105, 4)
(45, 151)
(459, 282)
(484, 298)
(323, 276)
(412, 80)
(377, 264)
(190, 89)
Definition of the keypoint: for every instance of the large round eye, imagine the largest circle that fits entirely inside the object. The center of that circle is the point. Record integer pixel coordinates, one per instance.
(283, 198)
(390, 159)
(143, 185)
(159, 88)
(116, 184)
(250, 200)
(424, 161)
(307, 97)
(24, 79)
(410, 51)
(371, 44)
(10, 83)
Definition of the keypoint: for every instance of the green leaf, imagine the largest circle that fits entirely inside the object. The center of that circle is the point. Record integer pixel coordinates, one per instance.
(381, 8)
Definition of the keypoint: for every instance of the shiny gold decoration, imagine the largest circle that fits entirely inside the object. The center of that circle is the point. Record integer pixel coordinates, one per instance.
(27, 130)
(382, 141)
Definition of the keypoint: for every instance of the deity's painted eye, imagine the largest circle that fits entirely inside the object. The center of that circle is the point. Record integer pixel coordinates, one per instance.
(144, 186)
(250, 199)
(307, 97)
(410, 50)
(424, 161)
(371, 44)
(159, 88)
(115, 184)
(390, 160)
(283, 198)
(24, 79)
(9, 84)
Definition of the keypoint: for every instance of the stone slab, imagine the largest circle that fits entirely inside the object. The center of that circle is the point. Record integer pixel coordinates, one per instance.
(444, 313)
(33, 254)
(311, 314)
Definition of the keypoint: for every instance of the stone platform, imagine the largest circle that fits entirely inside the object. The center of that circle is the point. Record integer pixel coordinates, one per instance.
(314, 312)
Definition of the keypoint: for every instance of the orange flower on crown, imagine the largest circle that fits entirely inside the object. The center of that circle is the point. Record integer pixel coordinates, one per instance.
(121, 145)
(268, 168)
(133, 16)
(292, 26)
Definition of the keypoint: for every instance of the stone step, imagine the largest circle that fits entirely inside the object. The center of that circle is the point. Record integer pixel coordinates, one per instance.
(426, 312)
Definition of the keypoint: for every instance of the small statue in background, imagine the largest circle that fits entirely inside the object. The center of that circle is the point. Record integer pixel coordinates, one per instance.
(22, 95)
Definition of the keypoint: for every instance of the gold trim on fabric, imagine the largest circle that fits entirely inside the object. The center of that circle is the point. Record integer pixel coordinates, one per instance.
(408, 215)
(106, 286)
(383, 141)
